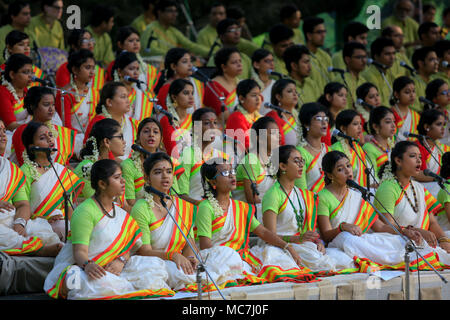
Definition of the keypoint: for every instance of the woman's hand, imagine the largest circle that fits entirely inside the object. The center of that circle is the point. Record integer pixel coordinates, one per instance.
(183, 263)
(94, 271)
(5, 206)
(55, 218)
(414, 235)
(430, 238)
(309, 236)
(352, 229)
(115, 267)
(445, 246)
(194, 262)
(294, 255)
(320, 247)
(20, 230)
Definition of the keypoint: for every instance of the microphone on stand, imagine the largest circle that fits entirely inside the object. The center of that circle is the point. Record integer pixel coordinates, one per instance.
(444, 64)
(164, 111)
(130, 79)
(404, 65)
(376, 63)
(41, 81)
(333, 69)
(276, 108)
(407, 134)
(426, 101)
(337, 133)
(138, 148)
(435, 176)
(46, 150)
(196, 70)
(354, 185)
(270, 72)
(150, 189)
(361, 102)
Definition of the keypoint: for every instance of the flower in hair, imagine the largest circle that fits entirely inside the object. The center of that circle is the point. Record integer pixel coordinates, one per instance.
(33, 166)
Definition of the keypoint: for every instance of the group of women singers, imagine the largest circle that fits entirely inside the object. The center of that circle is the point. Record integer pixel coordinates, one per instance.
(284, 181)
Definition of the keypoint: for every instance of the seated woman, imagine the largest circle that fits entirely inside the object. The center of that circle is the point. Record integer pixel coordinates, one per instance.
(382, 128)
(349, 123)
(263, 62)
(404, 96)
(226, 223)
(128, 39)
(431, 125)
(15, 80)
(18, 42)
(221, 94)
(408, 202)
(102, 249)
(177, 131)
(82, 98)
(257, 167)
(80, 39)
(438, 92)
(42, 186)
(40, 104)
(284, 95)
(160, 235)
(104, 139)
(443, 196)
(114, 104)
(291, 213)
(203, 149)
(369, 94)
(178, 65)
(20, 235)
(149, 138)
(314, 123)
(246, 112)
(127, 65)
(345, 218)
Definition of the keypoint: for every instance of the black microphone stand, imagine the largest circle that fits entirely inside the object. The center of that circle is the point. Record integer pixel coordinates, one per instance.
(201, 266)
(66, 199)
(409, 246)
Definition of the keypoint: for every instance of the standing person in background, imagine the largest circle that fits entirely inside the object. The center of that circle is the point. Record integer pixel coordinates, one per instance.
(442, 49)
(208, 35)
(102, 22)
(18, 18)
(382, 51)
(281, 38)
(141, 22)
(402, 17)
(315, 33)
(353, 32)
(429, 33)
(428, 12)
(161, 35)
(395, 33)
(291, 16)
(46, 26)
(80, 39)
(298, 64)
(426, 63)
(239, 15)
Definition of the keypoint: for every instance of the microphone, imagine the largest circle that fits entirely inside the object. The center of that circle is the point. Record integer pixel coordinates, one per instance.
(276, 108)
(196, 70)
(130, 79)
(39, 149)
(433, 175)
(361, 102)
(404, 65)
(332, 69)
(375, 63)
(150, 189)
(407, 134)
(338, 133)
(138, 148)
(270, 72)
(444, 64)
(41, 81)
(163, 111)
(426, 101)
(354, 185)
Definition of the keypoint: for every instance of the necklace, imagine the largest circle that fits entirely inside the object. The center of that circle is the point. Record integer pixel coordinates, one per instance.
(318, 150)
(298, 213)
(106, 212)
(414, 206)
(376, 143)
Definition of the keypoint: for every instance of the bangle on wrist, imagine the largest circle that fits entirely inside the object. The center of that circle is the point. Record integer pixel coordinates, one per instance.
(123, 260)
(286, 246)
(340, 226)
(443, 239)
(20, 221)
(84, 265)
(170, 255)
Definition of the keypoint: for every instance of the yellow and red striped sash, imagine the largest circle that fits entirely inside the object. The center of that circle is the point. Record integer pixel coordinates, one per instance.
(289, 125)
(366, 216)
(18, 107)
(338, 208)
(200, 87)
(445, 148)
(95, 98)
(320, 183)
(29, 246)
(230, 100)
(38, 73)
(178, 168)
(382, 159)
(362, 177)
(186, 125)
(99, 78)
(16, 181)
(65, 141)
(415, 117)
(151, 77)
(185, 215)
(124, 241)
(139, 183)
(54, 199)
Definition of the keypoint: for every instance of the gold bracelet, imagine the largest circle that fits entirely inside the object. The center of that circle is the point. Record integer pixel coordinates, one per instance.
(443, 239)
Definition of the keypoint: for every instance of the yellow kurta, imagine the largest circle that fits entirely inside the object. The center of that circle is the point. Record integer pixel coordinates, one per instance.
(46, 35)
(308, 91)
(320, 61)
(103, 50)
(373, 75)
(353, 83)
(410, 30)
